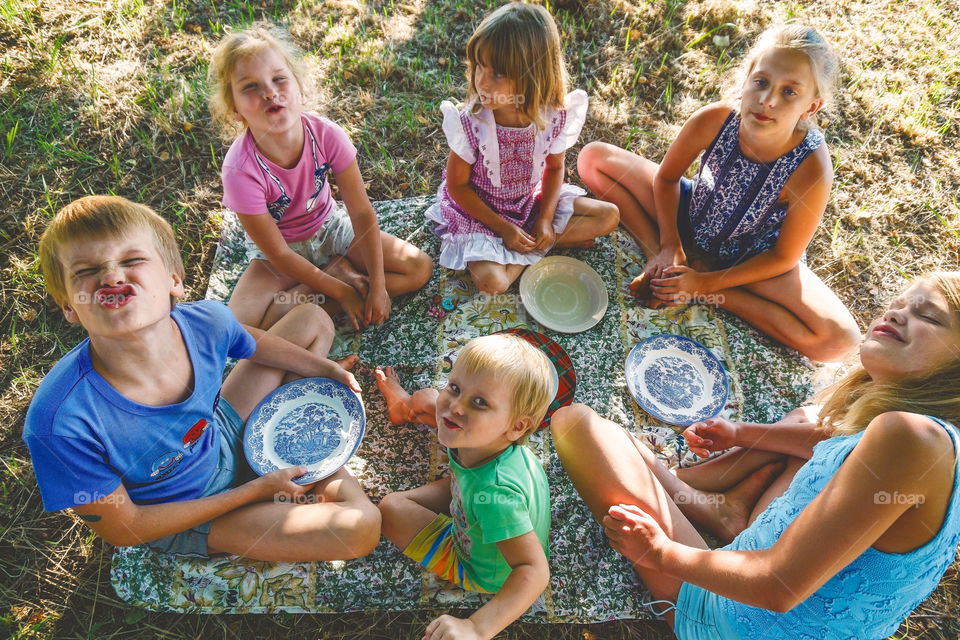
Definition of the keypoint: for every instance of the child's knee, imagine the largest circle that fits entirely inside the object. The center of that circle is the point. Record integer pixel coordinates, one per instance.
(609, 215)
(423, 268)
(590, 155)
(361, 529)
(390, 506)
(309, 317)
(840, 340)
(491, 283)
(566, 419)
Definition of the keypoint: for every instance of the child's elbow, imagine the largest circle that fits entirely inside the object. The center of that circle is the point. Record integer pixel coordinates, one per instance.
(779, 597)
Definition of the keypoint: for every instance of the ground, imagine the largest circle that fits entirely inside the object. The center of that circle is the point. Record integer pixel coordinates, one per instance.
(110, 97)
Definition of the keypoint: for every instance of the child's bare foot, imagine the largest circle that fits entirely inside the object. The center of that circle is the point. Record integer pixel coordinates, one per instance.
(640, 287)
(349, 362)
(343, 270)
(726, 514)
(399, 402)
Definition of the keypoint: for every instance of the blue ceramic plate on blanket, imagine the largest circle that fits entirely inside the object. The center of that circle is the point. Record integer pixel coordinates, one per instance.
(314, 422)
(676, 379)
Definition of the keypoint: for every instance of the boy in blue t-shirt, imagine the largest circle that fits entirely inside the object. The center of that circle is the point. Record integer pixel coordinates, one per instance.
(135, 429)
(486, 526)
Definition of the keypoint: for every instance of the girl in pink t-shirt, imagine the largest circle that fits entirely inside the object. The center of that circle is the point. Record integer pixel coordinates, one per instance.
(300, 241)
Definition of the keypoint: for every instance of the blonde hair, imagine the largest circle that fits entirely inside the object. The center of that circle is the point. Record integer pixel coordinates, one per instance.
(518, 365)
(521, 41)
(801, 39)
(231, 50)
(93, 217)
(857, 399)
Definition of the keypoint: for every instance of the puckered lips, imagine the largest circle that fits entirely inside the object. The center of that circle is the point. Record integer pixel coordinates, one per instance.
(274, 108)
(450, 424)
(114, 297)
(884, 330)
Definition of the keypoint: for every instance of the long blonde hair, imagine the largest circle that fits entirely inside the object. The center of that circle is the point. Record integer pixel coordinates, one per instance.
(521, 41)
(857, 399)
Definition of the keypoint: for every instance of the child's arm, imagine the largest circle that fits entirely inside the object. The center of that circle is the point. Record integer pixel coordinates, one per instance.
(458, 186)
(529, 576)
(794, 435)
(264, 232)
(807, 190)
(274, 351)
(121, 522)
(696, 135)
(366, 231)
(549, 196)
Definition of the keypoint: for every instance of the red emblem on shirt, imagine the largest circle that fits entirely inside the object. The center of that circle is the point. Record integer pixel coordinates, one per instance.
(195, 432)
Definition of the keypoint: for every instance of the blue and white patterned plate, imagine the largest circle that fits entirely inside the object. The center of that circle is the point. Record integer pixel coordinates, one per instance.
(314, 422)
(676, 379)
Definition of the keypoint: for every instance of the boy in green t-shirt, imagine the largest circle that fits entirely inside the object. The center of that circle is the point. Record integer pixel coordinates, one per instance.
(484, 527)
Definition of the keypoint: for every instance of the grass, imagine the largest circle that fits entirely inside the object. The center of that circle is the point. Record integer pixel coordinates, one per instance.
(110, 97)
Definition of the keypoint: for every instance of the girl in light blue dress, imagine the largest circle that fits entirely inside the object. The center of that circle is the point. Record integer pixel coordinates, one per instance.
(839, 519)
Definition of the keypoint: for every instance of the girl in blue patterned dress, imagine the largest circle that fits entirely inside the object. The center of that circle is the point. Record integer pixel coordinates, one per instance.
(839, 519)
(735, 236)
(503, 201)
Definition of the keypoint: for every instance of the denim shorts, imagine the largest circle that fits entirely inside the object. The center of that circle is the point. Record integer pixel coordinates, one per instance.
(332, 239)
(232, 471)
(698, 616)
(687, 241)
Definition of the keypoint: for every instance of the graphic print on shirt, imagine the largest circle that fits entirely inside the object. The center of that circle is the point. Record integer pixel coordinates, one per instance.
(460, 524)
(192, 437)
(279, 206)
(165, 464)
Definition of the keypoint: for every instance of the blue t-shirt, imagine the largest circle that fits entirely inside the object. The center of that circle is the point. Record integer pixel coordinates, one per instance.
(85, 438)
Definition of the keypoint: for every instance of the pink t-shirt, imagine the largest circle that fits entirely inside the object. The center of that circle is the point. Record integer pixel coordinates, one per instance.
(299, 199)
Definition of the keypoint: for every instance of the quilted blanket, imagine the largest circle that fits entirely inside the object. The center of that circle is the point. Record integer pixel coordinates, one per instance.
(589, 581)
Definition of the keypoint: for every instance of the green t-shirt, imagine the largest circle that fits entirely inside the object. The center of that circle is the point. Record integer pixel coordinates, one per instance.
(501, 499)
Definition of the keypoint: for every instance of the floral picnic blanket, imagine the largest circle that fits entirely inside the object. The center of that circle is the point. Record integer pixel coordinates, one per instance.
(589, 581)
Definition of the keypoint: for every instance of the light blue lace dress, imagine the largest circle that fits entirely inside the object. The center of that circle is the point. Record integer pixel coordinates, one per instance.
(869, 597)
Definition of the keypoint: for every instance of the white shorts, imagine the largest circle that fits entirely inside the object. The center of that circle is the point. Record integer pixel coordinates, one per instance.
(332, 239)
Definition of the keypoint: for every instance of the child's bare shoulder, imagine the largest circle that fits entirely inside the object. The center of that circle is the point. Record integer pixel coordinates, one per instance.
(713, 114)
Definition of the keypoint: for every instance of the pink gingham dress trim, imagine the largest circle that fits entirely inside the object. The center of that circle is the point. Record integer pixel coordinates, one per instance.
(506, 172)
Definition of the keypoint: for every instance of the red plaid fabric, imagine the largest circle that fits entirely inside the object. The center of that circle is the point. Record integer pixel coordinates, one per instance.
(564, 366)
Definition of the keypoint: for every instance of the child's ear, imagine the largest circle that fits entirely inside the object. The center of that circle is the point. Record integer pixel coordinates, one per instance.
(520, 427)
(177, 288)
(69, 313)
(812, 109)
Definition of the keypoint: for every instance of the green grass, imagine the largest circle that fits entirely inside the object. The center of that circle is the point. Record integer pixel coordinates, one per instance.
(110, 97)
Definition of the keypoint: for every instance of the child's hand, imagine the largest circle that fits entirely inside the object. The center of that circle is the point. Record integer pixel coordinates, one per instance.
(353, 306)
(545, 236)
(341, 375)
(516, 239)
(635, 535)
(376, 306)
(668, 257)
(280, 484)
(713, 434)
(679, 285)
(450, 628)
